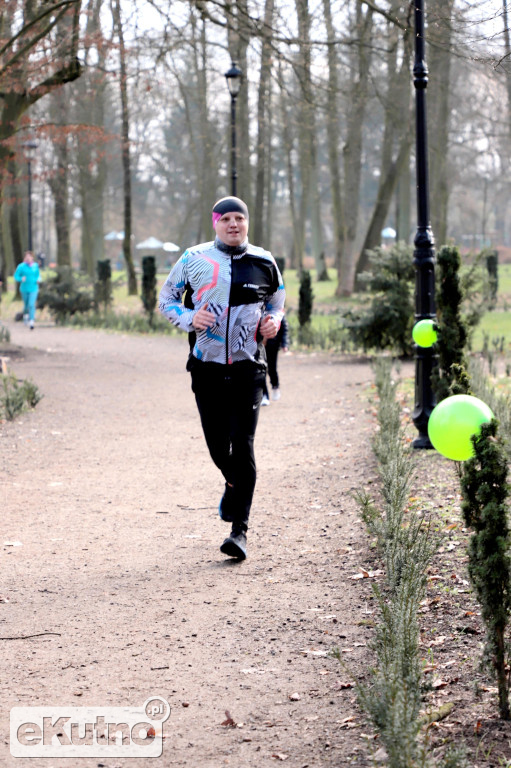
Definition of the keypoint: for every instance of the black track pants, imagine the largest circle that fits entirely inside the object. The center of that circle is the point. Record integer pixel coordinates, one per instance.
(272, 352)
(228, 398)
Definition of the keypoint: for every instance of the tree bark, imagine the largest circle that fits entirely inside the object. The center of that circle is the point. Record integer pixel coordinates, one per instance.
(332, 124)
(126, 159)
(352, 152)
(59, 186)
(385, 191)
(263, 133)
(440, 35)
(397, 130)
(20, 89)
(92, 166)
(308, 145)
(296, 252)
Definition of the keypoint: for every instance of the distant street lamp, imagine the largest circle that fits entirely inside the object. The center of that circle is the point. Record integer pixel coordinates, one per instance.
(233, 77)
(424, 254)
(30, 147)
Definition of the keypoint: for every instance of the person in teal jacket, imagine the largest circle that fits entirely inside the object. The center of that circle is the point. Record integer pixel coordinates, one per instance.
(27, 275)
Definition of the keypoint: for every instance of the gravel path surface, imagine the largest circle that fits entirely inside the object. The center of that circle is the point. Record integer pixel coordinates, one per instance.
(112, 562)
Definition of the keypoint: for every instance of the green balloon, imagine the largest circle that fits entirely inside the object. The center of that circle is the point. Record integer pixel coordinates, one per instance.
(453, 422)
(424, 333)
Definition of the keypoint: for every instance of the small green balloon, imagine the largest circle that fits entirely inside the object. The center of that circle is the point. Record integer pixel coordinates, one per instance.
(453, 422)
(424, 333)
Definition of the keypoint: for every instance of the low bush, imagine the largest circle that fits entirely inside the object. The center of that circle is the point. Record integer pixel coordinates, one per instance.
(388, 320)
(16, 397)
(65, 294)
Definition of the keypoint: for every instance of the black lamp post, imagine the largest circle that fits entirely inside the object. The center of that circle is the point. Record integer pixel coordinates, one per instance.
(233, 77)
(424, 253)
(30, 147)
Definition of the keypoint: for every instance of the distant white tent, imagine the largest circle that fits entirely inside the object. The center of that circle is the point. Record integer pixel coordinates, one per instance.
(151, 242)
(114, 236)
(171, 247)
(388, 232)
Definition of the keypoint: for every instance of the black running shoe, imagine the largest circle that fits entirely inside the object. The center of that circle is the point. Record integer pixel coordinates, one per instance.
(225, 507)
(236, 544)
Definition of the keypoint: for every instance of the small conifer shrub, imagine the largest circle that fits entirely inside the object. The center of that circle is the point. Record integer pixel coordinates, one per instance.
(305, 298)
(485, 491)
(103, 285)
(149, 286)
(305, 304)
(452, 331)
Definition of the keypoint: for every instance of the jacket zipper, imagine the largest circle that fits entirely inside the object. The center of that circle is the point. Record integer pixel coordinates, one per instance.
(228, 318)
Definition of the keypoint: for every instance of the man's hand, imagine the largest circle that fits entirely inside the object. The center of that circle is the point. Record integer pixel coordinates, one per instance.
(203, 319)
(268, 327)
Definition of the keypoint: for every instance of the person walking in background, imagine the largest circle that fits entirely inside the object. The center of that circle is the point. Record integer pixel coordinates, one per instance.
(234, 301)
(28, 276)
(279, 342)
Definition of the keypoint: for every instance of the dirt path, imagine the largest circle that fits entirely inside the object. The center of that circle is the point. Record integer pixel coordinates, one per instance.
(109, 489)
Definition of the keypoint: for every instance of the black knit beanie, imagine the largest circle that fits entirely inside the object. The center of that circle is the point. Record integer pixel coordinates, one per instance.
(227, 205)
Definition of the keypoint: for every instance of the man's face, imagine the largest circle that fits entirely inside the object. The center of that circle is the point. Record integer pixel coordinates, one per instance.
(232, 228)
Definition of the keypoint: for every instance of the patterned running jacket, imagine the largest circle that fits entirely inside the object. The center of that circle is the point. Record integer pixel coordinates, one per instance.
(238, 289)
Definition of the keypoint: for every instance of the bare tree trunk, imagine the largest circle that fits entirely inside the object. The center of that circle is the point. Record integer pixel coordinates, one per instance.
(270, 189)
(243, 110)
(92, 165)
(317, 241)
(238, 38)
(403, 203)
(397, 131)
(385, 191)
(126, 160)
(352, 152)
(59, 184)
(297, 248)
(208, 178)
(18, 246)
(332, 137)
(440, 34)
(307, 144)
(263, 133)
(501, 206)
(19, 91)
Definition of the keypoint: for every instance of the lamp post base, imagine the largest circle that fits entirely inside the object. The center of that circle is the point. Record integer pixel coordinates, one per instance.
(422, 441)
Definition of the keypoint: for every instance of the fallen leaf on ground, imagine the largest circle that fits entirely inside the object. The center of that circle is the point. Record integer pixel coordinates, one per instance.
(229, 722)
(346, 722)
(439, 641)
(363, 574)
(341, 686)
